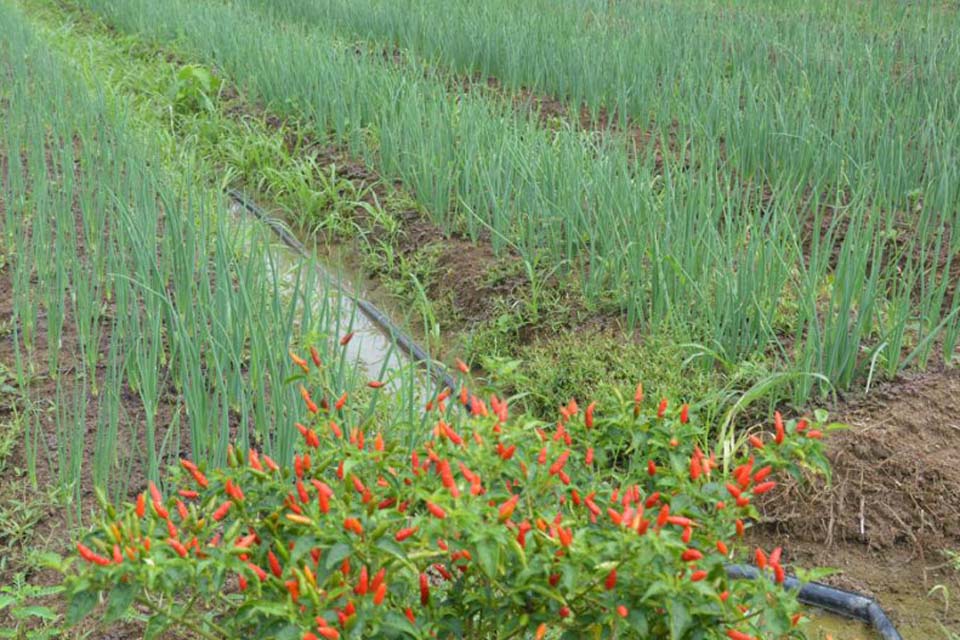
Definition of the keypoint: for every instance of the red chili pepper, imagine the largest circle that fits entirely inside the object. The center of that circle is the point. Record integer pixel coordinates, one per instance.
(722, 547)
(684, 414)
(564, 612)
(342, 400)
(273, 466)
(436, 511)
(611, 580)
(622, 611)
(662, 408)
(761, 559)
(763, 487)
(178, 547)
(293, 588)
(462, 366)
(141, 505)
(315, 356)
(300, 362)
(362, 582)
(542, 456)
(345, 340)
(403, 534)
(814, 434)
(651, 468)
(697, 576)
(588, 415)
(409, 613)
(353, 525)
(762, 474)
(424, 589)
(691, 555)
(756, 442)
(378, 579)
(733, 634)
(222, 510)
(261, 574)
(560, 462)
(652, 500)
(778, 425)
(507, 508)
(740, 527)
(380, 593)
(775, 555)
(663, 515)
(274, 564)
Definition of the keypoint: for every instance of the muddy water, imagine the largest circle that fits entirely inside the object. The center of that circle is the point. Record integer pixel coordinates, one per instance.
(825, 625)
(371, 348)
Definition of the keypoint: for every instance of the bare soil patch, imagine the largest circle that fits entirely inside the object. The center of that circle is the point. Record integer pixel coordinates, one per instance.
(893, 506)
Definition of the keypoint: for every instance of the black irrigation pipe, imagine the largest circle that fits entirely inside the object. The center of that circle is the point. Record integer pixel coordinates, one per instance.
(375, 315)
(838, 601)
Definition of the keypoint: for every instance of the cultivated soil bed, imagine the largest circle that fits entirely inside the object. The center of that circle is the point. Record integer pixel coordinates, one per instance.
(893, 506)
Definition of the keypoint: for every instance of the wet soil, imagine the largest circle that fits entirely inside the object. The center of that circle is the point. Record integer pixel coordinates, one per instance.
(893, 506)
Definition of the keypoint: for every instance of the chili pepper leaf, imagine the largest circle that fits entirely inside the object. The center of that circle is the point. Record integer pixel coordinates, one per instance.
(488, 555)
(301, 547)
(157, 624)
(336, 554)
(44, 613)
(390, 546)
(394, 622)
(680, 619)
(81, 603)
(638, 620)
(121, 596)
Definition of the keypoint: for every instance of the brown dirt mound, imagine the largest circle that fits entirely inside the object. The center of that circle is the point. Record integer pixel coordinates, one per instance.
(893, 506)
(896, 481)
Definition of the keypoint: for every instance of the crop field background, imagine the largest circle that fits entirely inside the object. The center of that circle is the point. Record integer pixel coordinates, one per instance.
(747, 206)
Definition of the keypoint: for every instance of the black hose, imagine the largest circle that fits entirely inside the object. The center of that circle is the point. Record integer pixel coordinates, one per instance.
(405, 342)
(838, 601)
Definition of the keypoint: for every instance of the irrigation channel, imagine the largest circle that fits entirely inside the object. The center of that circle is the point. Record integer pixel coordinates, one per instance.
(383, 348)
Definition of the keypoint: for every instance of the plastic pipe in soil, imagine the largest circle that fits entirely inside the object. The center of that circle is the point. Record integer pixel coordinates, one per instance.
(838, 601)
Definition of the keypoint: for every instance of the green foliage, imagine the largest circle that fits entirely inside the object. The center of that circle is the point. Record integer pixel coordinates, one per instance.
(595, 364)
(19, 600)
(604, 523)
(194, 89)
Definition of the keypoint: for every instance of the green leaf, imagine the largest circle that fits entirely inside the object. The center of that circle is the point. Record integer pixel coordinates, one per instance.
(81, 604)
(120, 600)
(680, 619)
(156, 626)
(390, 546)
(44, 613)
(336, 554)
(6, 601)
(638, 620)
(301, 547)
(488, 555)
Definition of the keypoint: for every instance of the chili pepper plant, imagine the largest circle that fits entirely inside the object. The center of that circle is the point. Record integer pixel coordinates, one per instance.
(614, 521)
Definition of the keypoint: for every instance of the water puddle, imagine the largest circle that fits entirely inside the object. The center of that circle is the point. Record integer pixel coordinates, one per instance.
(372, 347)
(824, 625)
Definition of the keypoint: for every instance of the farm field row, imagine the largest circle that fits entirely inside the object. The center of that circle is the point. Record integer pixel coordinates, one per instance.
(739, 264)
